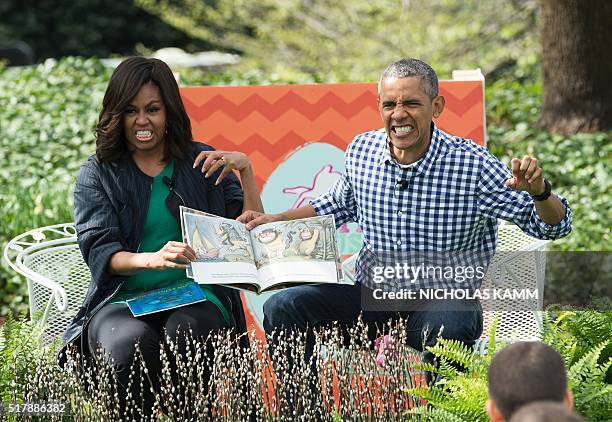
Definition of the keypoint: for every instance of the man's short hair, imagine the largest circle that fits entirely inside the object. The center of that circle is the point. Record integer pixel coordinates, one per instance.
(545, 411)
(525, 372)
(406, 68)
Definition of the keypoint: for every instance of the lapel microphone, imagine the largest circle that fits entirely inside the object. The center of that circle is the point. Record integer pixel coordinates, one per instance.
(171, 183)
(168, 182)
(401, 184)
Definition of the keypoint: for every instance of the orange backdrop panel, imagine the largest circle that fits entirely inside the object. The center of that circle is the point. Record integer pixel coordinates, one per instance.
(270, 122)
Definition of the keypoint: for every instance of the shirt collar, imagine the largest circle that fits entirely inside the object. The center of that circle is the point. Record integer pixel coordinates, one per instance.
(424, 164)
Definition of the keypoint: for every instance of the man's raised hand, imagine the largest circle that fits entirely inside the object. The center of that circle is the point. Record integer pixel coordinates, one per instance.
(526, 176)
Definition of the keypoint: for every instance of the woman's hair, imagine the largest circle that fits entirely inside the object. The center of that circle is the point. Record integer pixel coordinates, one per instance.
(124, 84)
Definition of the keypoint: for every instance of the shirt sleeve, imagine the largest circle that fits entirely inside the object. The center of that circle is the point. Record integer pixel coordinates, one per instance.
(232, 192)
(96, 222)
(338, 201)
(496, 200)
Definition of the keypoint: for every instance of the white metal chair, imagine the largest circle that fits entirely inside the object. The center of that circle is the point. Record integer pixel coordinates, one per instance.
(57, 276)
(519, 263)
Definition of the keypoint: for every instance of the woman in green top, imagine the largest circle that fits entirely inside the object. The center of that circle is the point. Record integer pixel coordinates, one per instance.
(126, 208)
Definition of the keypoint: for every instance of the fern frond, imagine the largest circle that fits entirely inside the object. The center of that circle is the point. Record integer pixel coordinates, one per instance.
(435, 414)
(453, 410)
(430, 394)
(491, 344)
(463, 395)
(446, 369)
(564, 316)
(453, 351)
(583, 368)
(596, 394)
(469, 390)
(424, 366)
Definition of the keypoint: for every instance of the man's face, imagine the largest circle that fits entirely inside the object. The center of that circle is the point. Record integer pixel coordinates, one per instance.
(406, 111)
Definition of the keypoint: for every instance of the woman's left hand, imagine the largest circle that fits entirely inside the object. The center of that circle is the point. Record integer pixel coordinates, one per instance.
(229, 160)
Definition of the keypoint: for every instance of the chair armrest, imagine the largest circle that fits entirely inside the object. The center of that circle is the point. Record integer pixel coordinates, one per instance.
(19, 251)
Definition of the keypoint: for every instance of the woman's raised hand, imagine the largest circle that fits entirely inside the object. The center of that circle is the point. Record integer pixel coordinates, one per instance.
(229, 160)
(172, 255)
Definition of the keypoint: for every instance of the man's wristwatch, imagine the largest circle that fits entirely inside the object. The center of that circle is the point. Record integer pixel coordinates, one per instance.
(544, 195)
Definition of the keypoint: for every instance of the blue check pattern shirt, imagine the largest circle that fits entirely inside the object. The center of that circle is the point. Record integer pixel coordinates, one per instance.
(451, 201)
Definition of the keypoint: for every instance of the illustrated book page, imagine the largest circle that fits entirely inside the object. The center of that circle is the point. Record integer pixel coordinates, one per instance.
(271, 256)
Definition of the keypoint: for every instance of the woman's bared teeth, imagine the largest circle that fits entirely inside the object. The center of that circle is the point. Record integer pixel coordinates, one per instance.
(143, 134)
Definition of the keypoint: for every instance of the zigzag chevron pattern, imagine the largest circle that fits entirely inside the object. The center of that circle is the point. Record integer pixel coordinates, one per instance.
(255, 103)
(270, 122)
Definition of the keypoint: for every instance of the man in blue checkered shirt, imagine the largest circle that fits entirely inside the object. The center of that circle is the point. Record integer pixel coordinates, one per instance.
(412, 187)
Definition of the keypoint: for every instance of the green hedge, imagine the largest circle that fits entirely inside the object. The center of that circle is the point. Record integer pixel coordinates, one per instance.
(48, 115)
(46, 131)
(577, 166)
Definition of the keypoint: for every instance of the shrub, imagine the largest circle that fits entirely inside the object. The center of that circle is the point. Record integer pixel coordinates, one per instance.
(246, 382)
(575, 165)
(20, 353)
(582, 339)
(262, 382)
(48, 116)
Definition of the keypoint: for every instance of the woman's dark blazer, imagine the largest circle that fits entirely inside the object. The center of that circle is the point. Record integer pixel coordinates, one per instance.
(110, 207)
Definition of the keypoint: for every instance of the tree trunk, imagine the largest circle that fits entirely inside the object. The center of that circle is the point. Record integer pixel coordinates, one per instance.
(577, 61)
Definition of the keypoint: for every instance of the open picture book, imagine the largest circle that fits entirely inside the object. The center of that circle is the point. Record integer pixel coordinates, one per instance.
(271, 256)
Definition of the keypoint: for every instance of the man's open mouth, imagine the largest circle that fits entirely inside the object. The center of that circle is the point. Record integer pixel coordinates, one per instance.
(403, 130)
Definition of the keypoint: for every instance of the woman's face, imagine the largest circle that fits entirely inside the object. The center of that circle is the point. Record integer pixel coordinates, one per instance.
(144, 122)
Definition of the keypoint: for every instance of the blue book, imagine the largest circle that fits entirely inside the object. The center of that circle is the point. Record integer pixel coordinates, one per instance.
(166, 298)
